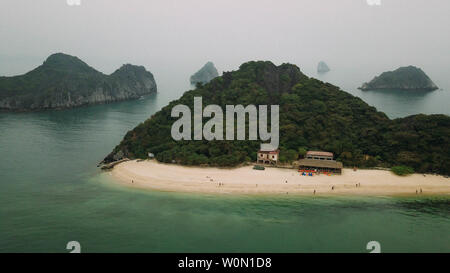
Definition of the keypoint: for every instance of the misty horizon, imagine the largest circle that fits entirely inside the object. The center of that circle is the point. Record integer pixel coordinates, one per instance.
(172, 35)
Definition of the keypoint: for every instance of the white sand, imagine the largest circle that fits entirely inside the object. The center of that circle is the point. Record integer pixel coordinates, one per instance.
(244, 180)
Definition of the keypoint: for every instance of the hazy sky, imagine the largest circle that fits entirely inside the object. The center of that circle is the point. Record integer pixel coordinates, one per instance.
(170, 35)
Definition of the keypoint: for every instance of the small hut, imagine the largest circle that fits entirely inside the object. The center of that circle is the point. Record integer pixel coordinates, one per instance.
(268, 156)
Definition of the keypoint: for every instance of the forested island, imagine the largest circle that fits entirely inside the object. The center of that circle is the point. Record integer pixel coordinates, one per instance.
(404, 78)
(313, 115)
(205, 74)
(64, 81)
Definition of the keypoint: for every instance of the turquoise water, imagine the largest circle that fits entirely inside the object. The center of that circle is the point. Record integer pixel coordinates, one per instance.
(51, 193)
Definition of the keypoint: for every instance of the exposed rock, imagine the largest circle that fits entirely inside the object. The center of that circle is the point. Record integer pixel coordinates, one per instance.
(322, 67)
(404, 78)
(205, 74)
(64, 81)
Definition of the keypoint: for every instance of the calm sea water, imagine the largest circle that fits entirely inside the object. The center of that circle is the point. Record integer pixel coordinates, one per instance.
(51, 192)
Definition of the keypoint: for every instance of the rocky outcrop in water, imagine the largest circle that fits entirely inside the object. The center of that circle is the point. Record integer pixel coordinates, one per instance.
(64, 81)
(205, 74)
(322, 67)
(404, 78)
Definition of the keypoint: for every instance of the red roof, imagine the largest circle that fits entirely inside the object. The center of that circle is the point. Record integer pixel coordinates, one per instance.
(319, 153)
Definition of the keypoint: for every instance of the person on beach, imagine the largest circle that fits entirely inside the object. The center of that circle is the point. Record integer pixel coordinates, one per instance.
(314, 192)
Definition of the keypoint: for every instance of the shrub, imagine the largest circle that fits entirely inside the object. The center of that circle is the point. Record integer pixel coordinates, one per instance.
(402, 170)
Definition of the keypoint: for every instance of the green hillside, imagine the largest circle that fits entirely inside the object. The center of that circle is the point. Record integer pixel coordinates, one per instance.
(64, 81)
(313, 115)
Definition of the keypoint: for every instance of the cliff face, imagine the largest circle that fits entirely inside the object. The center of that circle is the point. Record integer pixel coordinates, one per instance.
(64, 81)
(205, 74)
(322, 67)
(404, 78)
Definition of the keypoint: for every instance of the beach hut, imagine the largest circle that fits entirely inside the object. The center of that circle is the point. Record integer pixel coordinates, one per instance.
(317, 162)
(269, 156)
(320, 166)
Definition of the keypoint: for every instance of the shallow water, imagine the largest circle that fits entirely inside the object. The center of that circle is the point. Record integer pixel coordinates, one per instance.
(51, 192)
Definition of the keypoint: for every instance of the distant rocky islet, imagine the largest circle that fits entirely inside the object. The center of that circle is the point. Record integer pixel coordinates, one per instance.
(322, 67)
(404, 78)
(205, 74)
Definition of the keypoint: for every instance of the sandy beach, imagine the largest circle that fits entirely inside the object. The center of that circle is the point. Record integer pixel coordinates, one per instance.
(244, 180)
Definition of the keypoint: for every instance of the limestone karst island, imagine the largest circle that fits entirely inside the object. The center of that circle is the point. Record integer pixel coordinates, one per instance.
(322, 67)
(408, 78)
(324, 132)
(64, 81)
(205, 74)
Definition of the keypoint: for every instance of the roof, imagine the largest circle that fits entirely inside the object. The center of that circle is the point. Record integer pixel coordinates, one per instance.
(269, 152)
(319, 153)
(320, 163)
(268, 149)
